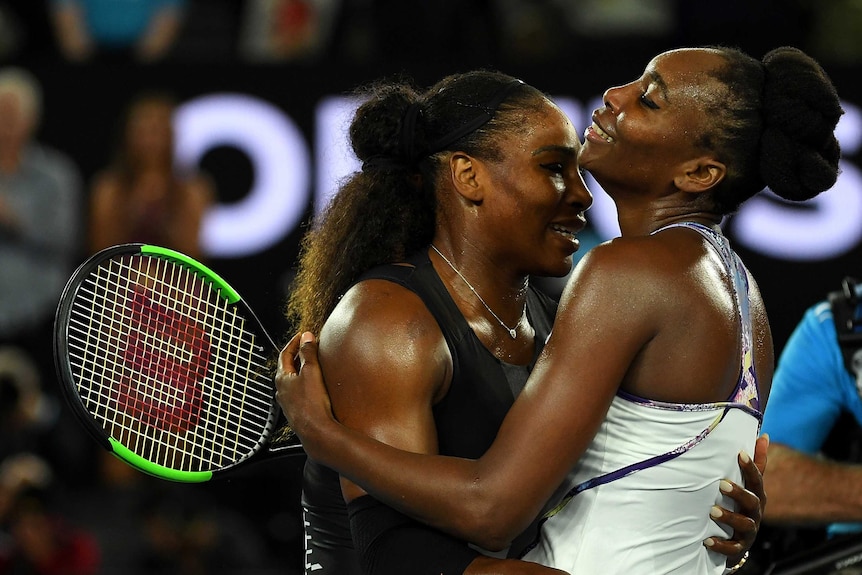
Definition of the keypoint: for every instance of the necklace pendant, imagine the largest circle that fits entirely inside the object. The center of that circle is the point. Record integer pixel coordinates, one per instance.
(512, 331)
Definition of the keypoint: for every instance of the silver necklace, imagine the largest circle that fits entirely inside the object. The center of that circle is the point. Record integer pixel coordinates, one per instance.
(512, 330)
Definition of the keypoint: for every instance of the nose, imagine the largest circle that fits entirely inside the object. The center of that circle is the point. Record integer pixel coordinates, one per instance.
(577, 193)
(612, 99)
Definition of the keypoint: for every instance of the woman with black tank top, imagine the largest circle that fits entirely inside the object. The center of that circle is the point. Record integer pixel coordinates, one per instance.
(417, 280)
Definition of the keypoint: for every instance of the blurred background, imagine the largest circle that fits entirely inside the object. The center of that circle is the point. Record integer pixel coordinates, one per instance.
(217, 127)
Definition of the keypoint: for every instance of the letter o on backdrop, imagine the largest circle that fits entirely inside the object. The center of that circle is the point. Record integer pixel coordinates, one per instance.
(280, 161)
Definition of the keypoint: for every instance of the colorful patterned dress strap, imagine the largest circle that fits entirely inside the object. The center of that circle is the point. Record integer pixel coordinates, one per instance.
(746, 391)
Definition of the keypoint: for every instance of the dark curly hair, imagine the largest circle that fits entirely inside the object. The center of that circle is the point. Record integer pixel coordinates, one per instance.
(388, 210)
(773, 124)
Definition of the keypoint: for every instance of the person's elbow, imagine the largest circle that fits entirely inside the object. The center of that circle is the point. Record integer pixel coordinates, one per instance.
(491, 524)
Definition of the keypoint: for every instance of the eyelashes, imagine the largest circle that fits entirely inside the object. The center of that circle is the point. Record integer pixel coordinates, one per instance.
(554, 167)
(647, 102)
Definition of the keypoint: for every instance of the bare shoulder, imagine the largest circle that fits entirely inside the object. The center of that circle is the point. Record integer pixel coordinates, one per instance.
(378, 304)
(625, 264)
(664, 257)
(636, 281)
(383, 329)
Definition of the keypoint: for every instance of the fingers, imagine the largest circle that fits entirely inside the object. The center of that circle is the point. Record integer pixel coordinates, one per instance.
(750, 502)
(752, 473)
(744, 523)
(307, 350)
(286, 365)
(747, 501)
(728, 547)
(301, 347)
(744, 532)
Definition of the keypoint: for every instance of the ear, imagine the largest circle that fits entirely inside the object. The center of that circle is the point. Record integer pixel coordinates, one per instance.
(700, 175)
(465, 171)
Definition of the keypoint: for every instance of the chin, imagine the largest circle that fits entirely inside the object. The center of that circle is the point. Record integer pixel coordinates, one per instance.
(561, 269)
(590, 158)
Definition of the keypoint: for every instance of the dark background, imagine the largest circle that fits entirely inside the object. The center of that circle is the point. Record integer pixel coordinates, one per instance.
(425, 40)
(83, 102)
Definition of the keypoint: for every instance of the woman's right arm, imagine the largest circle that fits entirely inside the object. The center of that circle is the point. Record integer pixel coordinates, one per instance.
(490, 500)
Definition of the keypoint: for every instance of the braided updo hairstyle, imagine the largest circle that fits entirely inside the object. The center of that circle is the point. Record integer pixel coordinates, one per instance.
(773, 125)
(387, 211)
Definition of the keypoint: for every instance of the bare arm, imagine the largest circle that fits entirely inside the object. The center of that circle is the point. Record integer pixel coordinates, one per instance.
(72, 34)
(463, 496)
(491, 566)
(558, 417)
(806, 489)
(160, 35)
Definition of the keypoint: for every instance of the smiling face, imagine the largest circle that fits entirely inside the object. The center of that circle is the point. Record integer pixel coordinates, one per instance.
(646, 129)
(536, 196)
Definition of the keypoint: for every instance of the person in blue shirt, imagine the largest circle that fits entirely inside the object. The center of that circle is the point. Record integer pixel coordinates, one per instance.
(142, 30)
(811, 389)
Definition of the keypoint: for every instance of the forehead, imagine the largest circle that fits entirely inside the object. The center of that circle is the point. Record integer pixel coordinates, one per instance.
(10, 98)
(547, 126)
(686, 71)
(13, 101)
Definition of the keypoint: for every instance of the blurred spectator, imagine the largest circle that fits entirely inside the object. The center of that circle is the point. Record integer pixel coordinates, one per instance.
(599, 18)
(286, 30)
(210, 32)
(535, 32)
(40, 213)
(26, 414)
(185, 532)
(811, 390)
(148, 526)
(19, 473)
(135, 30)
(393, 33)
(26, 34)
(35, 538)
(141, 196)
(33, 421)
(544, 31)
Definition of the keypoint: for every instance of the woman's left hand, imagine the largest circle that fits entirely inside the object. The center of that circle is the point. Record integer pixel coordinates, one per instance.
(750, 502)
(301, 391)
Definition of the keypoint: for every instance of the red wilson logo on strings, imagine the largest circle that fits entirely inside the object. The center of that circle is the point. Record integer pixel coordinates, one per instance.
(163, 387)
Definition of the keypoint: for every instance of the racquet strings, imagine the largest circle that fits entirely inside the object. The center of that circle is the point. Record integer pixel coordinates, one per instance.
(167, 366)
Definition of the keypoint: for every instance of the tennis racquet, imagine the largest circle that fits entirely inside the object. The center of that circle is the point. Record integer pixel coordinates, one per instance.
(166, 366)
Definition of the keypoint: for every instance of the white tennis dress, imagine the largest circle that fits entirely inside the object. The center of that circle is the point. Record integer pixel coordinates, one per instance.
(638, 501)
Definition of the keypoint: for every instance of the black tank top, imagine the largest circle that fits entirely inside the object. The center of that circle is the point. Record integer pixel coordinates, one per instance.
(481, 392)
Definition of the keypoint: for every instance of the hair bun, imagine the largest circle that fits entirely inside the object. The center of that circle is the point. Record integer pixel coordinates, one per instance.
(799, 151)
(376, 127)
(794, 171)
